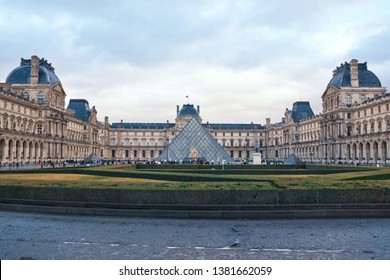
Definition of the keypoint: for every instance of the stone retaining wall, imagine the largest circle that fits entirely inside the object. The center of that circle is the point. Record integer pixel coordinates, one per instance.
(217, 197)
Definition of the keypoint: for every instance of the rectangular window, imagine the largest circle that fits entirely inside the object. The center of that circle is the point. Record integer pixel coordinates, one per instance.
(113, 153)
(387, 107)
(348, 115)
(39, 129)
(39, 113)
(372, 111)
(365, 112)
(379, 109)
(358, 114)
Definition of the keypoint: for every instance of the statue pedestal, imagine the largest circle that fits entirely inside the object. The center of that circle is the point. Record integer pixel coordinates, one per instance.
(257, 158)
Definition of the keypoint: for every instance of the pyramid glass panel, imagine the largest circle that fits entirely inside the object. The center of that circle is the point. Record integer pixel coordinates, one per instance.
(195, 144)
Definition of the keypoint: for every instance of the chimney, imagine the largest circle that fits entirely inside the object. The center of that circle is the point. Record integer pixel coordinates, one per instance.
(268, 121)
(198, 109)
(354, 73)
(177, 110)
(34, 70)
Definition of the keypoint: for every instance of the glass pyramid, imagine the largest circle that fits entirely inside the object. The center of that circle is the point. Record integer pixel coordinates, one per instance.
(195, 144)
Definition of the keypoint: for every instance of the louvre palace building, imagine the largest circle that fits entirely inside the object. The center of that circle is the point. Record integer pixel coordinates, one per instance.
(37, 125)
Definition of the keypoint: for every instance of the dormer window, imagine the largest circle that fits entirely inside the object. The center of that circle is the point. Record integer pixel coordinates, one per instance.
(25, 95)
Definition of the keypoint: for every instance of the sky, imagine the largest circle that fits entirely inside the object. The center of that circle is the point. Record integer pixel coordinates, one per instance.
(241, 61)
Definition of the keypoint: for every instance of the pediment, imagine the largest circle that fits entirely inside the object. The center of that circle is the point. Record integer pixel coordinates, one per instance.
(330, 90)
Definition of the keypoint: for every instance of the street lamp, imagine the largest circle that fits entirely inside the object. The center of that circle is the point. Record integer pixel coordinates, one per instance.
(247, 147)
(167, 149)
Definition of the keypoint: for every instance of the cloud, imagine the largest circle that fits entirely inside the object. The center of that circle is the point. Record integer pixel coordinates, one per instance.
(242, 61)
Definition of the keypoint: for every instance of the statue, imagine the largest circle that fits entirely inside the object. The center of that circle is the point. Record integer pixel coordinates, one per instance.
(257, 146)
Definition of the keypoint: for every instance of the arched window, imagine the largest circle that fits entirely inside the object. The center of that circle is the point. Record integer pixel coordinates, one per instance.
(41, 98)
(348, 100)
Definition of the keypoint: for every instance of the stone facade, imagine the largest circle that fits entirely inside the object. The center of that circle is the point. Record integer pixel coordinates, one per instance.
(35, 125)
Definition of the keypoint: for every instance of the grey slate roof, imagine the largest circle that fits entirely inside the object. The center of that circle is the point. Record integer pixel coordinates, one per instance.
(233, 126)
(81, 107)
(342, 76)
(301, 110)
(188, 110)
(216, 126)
(21, 74)
(142, 125)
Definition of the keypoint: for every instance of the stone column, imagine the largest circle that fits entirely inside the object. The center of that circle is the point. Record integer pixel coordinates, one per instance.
(27, 152)
(5, 151)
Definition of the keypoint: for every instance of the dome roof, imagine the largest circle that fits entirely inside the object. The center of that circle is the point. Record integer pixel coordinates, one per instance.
(21, 74)
(188, 110)
(342, 76)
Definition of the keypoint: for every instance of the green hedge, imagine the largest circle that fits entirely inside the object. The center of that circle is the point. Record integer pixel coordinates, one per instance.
(216, 166)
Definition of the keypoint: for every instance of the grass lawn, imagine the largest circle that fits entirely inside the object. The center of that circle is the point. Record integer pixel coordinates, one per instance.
(128, 177)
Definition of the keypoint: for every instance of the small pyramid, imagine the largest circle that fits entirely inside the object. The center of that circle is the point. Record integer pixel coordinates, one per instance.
(293, 159)
(195, 143)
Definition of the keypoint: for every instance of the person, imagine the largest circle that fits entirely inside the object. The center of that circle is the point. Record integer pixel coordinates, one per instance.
(41, 164)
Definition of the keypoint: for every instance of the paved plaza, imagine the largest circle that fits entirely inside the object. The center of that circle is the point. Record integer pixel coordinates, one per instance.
(49, 237)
